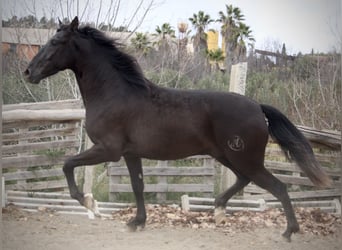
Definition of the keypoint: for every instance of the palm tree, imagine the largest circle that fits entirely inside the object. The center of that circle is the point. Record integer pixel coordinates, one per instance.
(141, 43)
(164, 32)
(243, 36)
(216, 56)
(230, 22)
(200, 22)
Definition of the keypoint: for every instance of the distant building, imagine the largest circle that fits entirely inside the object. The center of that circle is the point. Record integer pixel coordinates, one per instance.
(213, 40)
(26, 42)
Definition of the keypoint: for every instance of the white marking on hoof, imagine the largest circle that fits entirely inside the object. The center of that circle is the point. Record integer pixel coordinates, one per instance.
(91, 215)
(91, 205)
(220, 215)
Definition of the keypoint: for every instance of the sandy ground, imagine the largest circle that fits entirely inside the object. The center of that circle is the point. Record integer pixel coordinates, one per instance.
(35, 231)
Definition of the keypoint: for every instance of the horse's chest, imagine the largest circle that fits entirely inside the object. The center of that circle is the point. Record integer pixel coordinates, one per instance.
(100, 128)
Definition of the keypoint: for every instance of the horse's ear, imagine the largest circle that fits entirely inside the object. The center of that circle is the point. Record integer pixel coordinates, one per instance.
(60, 22)
(74, 24)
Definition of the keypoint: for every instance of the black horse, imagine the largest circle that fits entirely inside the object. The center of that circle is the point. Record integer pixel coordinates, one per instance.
(127, 115)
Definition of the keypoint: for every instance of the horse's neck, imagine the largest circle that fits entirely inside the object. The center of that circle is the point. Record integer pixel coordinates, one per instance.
(96, 82)
(103, 84)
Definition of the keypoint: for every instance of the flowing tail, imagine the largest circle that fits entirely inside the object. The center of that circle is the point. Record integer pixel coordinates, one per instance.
(295, 146)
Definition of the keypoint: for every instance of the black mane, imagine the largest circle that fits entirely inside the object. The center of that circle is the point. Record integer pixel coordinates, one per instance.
(125, 64)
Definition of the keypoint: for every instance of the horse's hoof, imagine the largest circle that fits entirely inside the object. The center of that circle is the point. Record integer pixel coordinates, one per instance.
(91, 204)
(220, 215)
(289, 231)
(133, 225)
(287, 236)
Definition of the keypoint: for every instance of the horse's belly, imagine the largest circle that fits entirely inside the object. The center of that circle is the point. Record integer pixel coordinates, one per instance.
(170, 147)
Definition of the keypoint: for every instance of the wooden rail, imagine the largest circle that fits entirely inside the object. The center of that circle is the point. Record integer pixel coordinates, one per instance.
(37, 137)
(207, 204)
(43, 115)
(326, 138)
(327, 151)
(119, 183)
(60, 203)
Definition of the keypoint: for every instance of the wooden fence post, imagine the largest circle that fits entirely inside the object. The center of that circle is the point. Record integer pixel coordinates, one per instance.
(22, 142)
(208, 162)
(162, 180)
(237, 84)
(113, 179)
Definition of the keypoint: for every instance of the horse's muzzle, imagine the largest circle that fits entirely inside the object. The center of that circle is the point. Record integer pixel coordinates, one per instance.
(29, 77)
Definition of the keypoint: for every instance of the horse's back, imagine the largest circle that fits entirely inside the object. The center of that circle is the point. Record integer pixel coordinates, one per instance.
(179, 123)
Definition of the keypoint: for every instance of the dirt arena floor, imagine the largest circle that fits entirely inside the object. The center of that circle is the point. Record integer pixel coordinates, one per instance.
(50, 231)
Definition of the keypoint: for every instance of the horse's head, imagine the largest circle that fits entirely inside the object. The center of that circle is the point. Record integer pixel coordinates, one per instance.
(56, 55)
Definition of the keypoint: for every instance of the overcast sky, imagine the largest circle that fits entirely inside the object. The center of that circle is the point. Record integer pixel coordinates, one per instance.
(301, 24)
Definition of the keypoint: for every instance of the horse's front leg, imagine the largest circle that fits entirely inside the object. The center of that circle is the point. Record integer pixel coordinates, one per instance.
(92, 156)
(136, 173)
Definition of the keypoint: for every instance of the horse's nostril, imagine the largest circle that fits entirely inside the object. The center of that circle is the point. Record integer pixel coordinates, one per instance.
(27, 72)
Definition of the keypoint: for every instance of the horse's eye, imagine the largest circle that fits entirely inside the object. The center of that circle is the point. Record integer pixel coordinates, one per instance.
(54, 42)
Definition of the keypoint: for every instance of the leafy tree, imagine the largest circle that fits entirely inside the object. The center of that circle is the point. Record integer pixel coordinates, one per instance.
(43, 22)
(163, 34)
(165, 30)
(120, 29)
(216, 56)
(51, 24)
(230, 20)
(200, 22)
(141, 43)
(29, 21)
(12, 22)
(243, 38)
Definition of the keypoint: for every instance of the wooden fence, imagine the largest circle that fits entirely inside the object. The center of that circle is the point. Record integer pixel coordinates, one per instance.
(36, 139)
(58, 202)
(200, 204)
(164, 177)
(326, 145)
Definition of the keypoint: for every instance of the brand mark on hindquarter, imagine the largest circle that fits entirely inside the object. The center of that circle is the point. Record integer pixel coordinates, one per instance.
(236, 144)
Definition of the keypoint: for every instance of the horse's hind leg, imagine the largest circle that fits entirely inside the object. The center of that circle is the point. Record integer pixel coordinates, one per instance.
(266, 180)
(134, 166)
(222, 199)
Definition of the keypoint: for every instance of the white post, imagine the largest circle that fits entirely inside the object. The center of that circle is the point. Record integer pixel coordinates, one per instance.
(3, 197)
(88, 171)
(185, 203)
(238, 77)
(237, 84)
